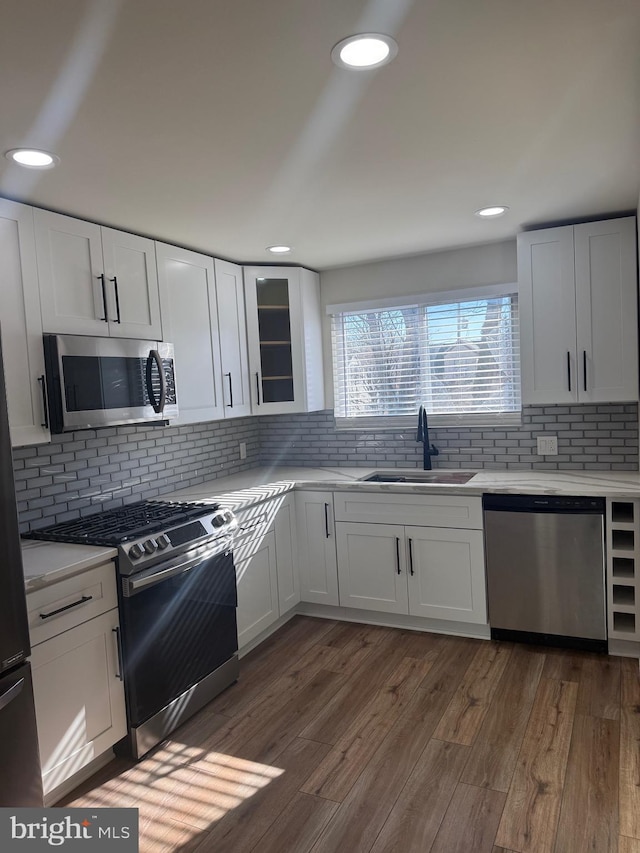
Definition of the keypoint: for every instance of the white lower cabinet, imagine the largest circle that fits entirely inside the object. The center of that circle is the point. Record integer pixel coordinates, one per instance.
(446, 574)
(77, 686)
(372, 566)
(317, 559)
(287, 554)
(257, 589)
(265, 553)
(417, 570)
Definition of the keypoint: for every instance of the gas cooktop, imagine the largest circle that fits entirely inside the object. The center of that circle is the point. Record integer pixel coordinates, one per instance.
(117, 526)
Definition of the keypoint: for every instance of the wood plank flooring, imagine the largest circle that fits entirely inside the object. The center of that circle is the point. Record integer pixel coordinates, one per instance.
(343, 737)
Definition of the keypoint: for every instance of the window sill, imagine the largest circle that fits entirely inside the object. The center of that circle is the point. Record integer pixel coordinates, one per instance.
(436, 422)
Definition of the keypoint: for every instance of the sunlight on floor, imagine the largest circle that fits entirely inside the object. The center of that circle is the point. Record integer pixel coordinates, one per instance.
(181, 791)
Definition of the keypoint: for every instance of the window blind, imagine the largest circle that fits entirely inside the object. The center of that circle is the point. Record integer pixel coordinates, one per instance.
(457, 358)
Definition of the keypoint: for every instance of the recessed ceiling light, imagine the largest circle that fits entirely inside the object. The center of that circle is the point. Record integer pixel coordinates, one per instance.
(492, 212)
(32, 158)
(366, 50)
(279, 250)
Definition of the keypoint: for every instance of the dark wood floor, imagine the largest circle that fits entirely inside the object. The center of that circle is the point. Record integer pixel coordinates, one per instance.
(344, 737)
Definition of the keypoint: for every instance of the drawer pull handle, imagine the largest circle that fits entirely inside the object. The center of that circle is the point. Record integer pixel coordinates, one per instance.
(411, 556)
(326, 521)
(82, 600)
(398, 554)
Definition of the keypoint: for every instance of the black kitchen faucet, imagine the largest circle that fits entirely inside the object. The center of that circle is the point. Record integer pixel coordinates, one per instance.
(422, 435)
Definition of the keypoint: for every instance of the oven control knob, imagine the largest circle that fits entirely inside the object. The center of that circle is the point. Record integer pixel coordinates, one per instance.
(135, 552)
(218, 520)
(163, 541)
(150, 546)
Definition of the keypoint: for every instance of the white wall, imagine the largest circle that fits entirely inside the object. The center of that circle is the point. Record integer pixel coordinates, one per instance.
(490, 263)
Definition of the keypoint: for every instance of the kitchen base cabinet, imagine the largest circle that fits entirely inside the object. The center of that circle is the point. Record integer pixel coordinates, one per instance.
(265, 553)
(79, 698)
(623, 571)
(257, 588)
(287, 554)
(446, 574)
(420, 571)
(77, 681)
(372, 566)
(317, 561)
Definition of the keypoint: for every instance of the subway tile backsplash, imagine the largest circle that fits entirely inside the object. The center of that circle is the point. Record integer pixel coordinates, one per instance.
(85, 471)
(590, 437)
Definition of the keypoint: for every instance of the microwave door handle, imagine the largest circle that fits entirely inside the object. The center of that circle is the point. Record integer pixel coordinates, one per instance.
(158, 405)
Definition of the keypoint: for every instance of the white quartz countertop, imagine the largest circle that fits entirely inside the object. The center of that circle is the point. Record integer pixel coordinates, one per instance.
(48, 562)
(45, 563)
(258, 484)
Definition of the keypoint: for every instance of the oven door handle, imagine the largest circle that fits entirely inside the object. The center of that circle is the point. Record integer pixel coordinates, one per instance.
(134, 585)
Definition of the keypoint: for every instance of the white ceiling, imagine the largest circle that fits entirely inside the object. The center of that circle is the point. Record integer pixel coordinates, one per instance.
(222, 125)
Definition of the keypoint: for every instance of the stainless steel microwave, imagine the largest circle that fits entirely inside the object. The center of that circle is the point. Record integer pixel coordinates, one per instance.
(98, 382)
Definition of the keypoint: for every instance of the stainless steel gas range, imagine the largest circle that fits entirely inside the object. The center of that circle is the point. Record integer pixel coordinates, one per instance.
(177, 599)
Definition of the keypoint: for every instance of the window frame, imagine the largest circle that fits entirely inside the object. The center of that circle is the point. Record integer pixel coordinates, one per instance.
(400, 423)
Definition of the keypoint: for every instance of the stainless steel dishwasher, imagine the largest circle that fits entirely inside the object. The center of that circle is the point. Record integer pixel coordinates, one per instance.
(545, 569)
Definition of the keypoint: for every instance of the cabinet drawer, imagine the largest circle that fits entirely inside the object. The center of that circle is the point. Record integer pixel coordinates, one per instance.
(440, 510)
(71, 602)
(253, 525)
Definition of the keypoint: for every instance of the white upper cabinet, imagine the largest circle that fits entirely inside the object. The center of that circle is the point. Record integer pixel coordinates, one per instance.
(578, 313)
(233, 339)
(285, 342)
(190, 323)
(21, 327)
(96, 281)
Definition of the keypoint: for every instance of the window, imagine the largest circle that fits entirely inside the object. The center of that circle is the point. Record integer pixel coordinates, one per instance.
(456, 353)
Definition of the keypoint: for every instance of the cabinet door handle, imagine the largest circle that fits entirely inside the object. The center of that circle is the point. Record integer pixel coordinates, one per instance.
(45, 408)
(326, 521)
(116, 631)
(230, 390)
(584, 368)
(115, 287)
(104, 298)
(569, 370)
(411, 557)
(257, 388)
(82, 600)
(398, 554)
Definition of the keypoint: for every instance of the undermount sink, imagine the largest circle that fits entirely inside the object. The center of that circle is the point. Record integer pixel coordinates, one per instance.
(447, 477)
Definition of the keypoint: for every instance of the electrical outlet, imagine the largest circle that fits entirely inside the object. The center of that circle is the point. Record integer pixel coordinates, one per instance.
(547, 445)
(243, 450)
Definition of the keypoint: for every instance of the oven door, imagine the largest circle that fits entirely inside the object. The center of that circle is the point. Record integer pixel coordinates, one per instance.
(96, 382)
(178, 625)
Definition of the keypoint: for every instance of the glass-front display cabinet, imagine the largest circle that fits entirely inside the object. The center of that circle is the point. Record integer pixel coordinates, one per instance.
(285, 350)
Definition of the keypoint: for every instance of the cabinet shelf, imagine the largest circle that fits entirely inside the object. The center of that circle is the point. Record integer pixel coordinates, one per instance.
(275, 343)
(621, 513)
(624, 623)
(275, 378)
(623, 569)
(273, 307)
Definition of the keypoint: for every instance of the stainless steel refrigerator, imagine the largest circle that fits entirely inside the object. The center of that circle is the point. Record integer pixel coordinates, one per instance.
(20, 779)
